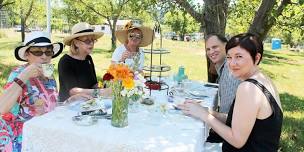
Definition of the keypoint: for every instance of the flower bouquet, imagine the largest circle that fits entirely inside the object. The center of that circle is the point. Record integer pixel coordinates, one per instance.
(125, 85)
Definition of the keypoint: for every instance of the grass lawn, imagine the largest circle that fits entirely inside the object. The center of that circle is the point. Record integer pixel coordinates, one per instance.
(284, 67)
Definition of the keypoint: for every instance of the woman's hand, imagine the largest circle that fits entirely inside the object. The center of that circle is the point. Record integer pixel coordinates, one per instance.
(81, 96)
(126, 54)
(194, 109)
(32, 70)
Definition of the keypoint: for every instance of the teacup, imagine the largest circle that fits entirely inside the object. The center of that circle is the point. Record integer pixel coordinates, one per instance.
(48, 69)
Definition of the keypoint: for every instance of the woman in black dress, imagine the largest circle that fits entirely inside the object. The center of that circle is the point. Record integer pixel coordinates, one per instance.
(77, 74)
(254, 121)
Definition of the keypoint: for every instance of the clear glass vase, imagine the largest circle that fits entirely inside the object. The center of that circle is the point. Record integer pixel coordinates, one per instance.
(120, 111)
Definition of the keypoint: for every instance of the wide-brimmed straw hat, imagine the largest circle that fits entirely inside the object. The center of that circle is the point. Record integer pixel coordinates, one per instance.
(37, 38)
(81, 29)
(148, 35)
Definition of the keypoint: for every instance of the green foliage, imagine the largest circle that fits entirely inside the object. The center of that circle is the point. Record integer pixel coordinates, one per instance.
(240, 16)
(181, 22)
(20, 8)
(290, 25)
(75, 12)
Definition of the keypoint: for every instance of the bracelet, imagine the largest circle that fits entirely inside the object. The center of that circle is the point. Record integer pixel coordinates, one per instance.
(20, 83)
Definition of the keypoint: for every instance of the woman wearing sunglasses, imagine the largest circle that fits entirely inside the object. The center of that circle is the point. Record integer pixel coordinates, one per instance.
(28, 92)
(132, 36)
(77, 74)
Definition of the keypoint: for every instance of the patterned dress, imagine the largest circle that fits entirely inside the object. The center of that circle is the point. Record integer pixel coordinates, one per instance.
(39, 97)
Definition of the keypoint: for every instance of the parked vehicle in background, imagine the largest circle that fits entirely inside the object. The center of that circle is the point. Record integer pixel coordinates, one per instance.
(171, 36)
(197, 36)
(174, 37)
(17, 28)
(187, 38)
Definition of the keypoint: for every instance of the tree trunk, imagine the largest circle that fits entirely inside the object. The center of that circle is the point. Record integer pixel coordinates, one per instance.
(215, 16)
(113, 29)
(22, 29)
(266, 17)
(215, 22)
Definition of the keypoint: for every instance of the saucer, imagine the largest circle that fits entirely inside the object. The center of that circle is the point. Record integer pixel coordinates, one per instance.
(84, 120)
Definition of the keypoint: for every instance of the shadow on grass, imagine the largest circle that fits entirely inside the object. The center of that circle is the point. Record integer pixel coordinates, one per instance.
(9, 45)
(4, 72)
(102, 51)
(293, 128)
(272, 59)
(301, 54)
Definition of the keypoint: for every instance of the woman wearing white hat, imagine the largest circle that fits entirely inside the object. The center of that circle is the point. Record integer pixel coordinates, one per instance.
(132, 36)
(76, 69)
(28, 92)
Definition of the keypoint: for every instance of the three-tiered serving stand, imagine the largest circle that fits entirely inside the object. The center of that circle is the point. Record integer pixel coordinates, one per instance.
(159, 68)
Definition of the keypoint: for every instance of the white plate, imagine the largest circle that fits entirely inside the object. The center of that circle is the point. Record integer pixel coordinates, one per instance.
(198, 93)
(81, 106)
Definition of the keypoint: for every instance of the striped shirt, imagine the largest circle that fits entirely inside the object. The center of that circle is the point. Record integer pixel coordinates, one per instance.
(227, 87)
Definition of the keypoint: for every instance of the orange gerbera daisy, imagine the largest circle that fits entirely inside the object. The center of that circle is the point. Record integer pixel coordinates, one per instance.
(120, 72)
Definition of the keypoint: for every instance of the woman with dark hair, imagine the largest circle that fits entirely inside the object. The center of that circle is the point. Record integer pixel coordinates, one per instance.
(254, 120)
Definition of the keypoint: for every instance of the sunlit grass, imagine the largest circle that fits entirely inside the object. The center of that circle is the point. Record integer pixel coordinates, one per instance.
(284, 67)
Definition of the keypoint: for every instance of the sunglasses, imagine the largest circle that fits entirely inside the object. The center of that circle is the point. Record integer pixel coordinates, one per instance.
(134, 36)
(87, 41)
(38, 50)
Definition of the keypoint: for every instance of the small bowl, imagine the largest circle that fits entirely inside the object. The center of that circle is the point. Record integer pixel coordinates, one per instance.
(84, 120)
(153, 85)
(147, 101)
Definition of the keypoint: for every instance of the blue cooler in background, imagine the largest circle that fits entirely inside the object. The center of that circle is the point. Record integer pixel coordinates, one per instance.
(276, 44)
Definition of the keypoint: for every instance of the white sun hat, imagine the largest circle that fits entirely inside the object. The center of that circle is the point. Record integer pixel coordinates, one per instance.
(37, 38)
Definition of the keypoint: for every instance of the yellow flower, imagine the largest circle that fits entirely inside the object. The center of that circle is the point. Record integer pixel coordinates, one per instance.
(100, 84)
(128, 83)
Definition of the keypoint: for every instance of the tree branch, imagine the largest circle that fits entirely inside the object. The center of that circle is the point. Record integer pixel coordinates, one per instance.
(283, 4)
(91, 8)
(185, 4)
(264, 20)
(5, 4)
(28, 13)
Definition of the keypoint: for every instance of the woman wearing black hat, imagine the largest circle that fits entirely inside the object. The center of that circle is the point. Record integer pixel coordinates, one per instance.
(29, 91)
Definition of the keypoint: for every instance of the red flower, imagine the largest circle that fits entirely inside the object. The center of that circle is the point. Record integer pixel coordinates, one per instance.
(107, 77)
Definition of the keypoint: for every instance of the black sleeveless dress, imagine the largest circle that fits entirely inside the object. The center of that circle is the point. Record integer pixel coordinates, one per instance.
(265, 134)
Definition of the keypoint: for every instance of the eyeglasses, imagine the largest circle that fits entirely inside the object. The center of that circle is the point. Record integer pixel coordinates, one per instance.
(87, 41)
(134, 36)
(37, 50)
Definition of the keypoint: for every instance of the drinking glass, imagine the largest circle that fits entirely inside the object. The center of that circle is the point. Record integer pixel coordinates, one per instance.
(47, 69)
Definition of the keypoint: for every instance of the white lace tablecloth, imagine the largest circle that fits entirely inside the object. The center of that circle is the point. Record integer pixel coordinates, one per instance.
(148, 130)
